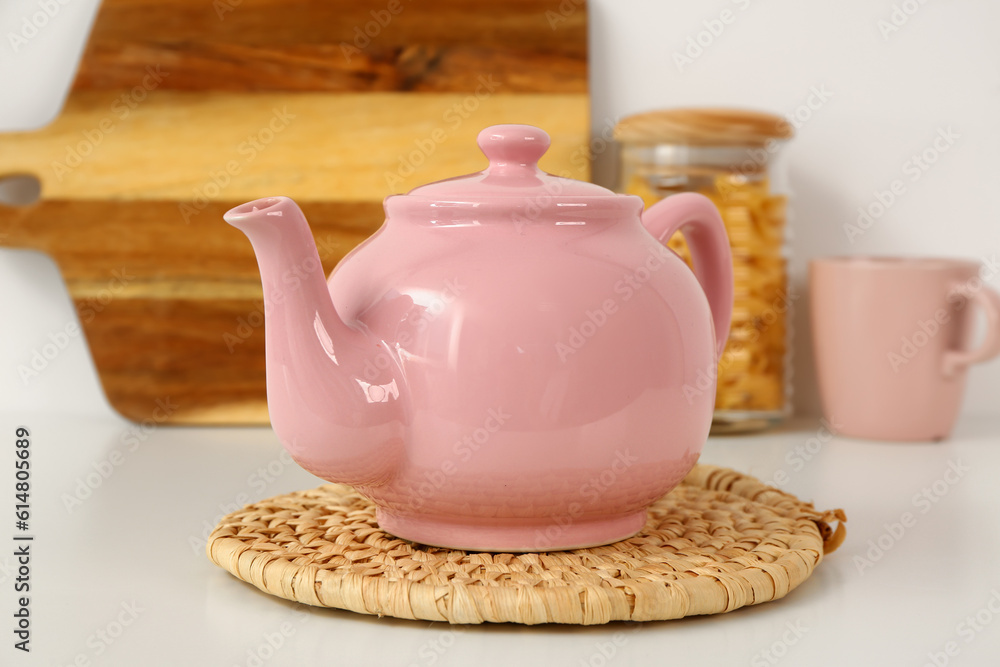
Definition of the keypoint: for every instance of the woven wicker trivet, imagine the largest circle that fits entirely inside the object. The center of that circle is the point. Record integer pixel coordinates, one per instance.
(719, 541)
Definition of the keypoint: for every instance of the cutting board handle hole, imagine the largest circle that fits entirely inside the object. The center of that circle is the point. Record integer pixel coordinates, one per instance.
(19, 189)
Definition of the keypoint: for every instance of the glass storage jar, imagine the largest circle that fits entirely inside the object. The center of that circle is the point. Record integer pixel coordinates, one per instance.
(733, 157)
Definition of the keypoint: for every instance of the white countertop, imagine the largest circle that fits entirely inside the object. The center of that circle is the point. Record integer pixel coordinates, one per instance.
(122, 578)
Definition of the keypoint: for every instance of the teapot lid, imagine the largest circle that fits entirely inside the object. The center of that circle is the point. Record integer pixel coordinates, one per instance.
(513, 152)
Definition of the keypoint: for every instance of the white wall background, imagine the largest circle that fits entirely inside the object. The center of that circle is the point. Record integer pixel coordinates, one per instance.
(890, 94)
(889, 97)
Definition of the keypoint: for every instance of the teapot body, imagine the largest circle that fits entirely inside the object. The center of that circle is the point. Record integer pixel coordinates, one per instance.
(559, 377)
(513, 362)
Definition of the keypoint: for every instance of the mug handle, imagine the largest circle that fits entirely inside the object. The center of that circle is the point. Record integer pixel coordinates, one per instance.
(988, 300)
(696, 217)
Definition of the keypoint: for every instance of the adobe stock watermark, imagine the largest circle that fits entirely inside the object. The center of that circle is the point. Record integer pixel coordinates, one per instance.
(590, 493)
(927, 329)
(42, 356)
(121, 109)
(899, 16)
(803, 453)
(462, 451)
(33, 24)
(453, 117)
(778, 649)
(271, 642)
(580, 159)
(604, 653)
(223, 7)
(257, 482)
(923, 502)
(129, 441)
(89, 308)
(967, 630)
(537, 204)
(561, 14)
(758, 158)
(913, 169)
(711, 29)
(248, 149)
(418, 320)
(599, 143)
(624, 290)
(102, 639)
(748, 334)
(433, 649)
(291, 281)
(365, 34)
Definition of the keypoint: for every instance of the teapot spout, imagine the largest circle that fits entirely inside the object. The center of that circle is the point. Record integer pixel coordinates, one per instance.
(334, 405)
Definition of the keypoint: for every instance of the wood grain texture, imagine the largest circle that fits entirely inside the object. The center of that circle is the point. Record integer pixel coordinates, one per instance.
(161, 349)
(148, 241)
(313, 146)
(161, 326)
(183, 109)
(309, 45)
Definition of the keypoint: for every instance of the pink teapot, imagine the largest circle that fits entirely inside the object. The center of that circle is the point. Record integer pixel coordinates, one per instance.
(510, 363)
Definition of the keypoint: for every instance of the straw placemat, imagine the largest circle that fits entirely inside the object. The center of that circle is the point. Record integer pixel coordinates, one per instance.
(719, 541)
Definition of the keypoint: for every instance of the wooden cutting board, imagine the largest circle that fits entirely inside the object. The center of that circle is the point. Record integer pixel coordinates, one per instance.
(185, 108)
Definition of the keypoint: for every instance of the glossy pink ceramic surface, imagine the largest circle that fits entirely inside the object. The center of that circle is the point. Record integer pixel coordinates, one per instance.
(892, 339)
(502, 365)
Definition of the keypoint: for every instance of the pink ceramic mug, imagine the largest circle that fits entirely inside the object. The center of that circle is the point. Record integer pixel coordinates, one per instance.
(892, 339)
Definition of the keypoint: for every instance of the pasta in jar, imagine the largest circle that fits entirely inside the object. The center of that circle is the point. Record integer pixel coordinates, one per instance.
(752, 387)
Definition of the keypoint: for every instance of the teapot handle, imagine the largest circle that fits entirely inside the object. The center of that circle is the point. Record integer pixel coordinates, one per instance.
(696, 217)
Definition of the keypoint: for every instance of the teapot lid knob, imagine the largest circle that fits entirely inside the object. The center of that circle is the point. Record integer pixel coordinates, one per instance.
(513, 175)
(513, 145)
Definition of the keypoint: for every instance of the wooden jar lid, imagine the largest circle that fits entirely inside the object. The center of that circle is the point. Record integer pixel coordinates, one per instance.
(703, 127)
